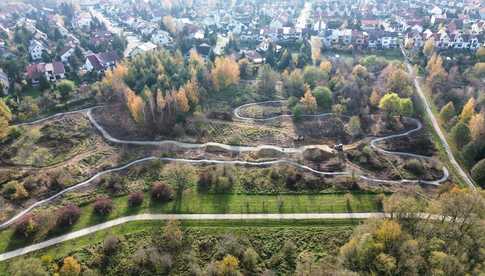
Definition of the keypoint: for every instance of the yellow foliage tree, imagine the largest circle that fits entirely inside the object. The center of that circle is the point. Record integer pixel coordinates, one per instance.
(225, 73)
(192, 91)
(428, 47)
(182, 101)
(468, 110)
(229, 265)
(169, 23)
(5, 117)
(326, 66)
(70, 267)
(135, 105)
(308, 100)
(435, 67)
(477, 126)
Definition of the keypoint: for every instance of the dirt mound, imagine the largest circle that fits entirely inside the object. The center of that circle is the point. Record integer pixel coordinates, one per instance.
(269, 153)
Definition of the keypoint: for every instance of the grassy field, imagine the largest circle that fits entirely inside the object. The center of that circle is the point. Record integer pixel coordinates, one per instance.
(192, 202)
(323, 237)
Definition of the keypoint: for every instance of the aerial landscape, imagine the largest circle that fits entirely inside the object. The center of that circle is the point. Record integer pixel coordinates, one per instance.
(242, 137)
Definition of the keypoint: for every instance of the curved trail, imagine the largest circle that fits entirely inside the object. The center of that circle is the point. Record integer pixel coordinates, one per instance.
(110, 138)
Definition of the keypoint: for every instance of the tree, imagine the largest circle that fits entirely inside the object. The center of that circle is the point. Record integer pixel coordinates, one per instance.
(110, 244)
(180, 176)
(228, 266)
(428, 48)
(294, 84)
(66, 87)
(478, 173)
(323, 95)
(5, 117)
(448, 112)
(27, 226)
(308, 100)
(360, 72)
(316, 44)
(461, 134)
(406, 106)
(354, 127)
(313, 75)
(169, 24)
(135, 199)
(68, 215)
(103, 206)
(27, 267)
(225, 73)
(477, 126)
(326, 67)
(436, 72)
(182, 101)
(468, 110)
(267, 80)
(162, 192)
(390, 104)
(480, 54)
(399, 82)
(172, 235)
(70, 267)
(250, 259)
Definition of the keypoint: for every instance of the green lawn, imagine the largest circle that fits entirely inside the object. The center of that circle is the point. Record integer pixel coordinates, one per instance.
(193, 202)
(77, 246)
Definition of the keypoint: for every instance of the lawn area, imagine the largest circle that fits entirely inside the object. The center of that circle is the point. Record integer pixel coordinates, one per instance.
(193, 202)
(266, 233)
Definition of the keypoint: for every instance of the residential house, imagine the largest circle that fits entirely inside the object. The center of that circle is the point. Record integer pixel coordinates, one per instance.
(142, 48)
(101, 61)
(36, 48)
(161, 38)
(51, 71)
(66, 53)
(5, 84)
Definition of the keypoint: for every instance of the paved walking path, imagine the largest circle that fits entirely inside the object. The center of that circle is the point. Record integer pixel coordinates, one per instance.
(437, 127)
(147, 217)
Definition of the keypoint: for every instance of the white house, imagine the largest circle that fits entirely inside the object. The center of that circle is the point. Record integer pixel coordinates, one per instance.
(143, 47)
(67, 53)
(161, 38)
(36, 48)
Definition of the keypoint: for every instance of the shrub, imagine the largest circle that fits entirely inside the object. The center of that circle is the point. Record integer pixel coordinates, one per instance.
(110, 244)
(415, 167)
(478, 173)
(297, 112)
(162, 192)
(103, 206)
(27, 227)
(68, 215)
(135, 199)
(223, 184)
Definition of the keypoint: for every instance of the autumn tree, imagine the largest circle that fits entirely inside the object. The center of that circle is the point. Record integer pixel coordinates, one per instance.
(5, 117)
(169, 24)
(436, 73)
(316, 44)
(399, 81)
(354, 127)
(360, 71)
(447, 112)
(182, 101)
(468, 110)
(326, 67)
(428, 48)
(70, 267)
(308, 100)
(135, 105)
(477, 126)
(225, 73)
